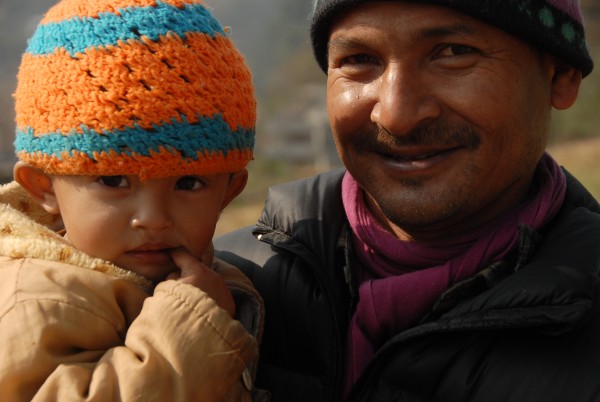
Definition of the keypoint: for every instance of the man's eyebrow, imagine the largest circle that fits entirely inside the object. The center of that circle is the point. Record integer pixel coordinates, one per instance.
(345, 43)
(350, 42)
(441, 31)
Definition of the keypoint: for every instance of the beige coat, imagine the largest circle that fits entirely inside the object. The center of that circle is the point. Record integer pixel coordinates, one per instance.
(76, 328)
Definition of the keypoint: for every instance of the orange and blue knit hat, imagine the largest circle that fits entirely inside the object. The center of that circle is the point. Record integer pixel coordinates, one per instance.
(555, 26)
(153, 88)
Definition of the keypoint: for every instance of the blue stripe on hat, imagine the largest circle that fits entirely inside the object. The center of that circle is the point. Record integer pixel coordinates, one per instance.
(188, 138)
(80, 33)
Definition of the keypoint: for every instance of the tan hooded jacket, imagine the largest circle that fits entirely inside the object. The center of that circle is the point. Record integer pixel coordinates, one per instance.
(76, 328)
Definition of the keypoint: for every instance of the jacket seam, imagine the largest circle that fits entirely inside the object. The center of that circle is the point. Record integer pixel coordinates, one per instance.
(205, 317)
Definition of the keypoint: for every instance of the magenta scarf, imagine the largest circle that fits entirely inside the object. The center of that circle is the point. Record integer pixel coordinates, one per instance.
(402, 280)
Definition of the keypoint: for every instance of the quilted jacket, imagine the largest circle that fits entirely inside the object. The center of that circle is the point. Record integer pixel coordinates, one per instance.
(525, 329)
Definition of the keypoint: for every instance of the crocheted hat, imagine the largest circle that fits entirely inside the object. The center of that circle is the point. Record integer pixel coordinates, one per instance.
(555, 26)
(153, 88)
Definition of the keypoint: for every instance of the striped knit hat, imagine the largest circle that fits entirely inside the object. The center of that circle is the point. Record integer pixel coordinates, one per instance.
(153, 88)
(555, 26)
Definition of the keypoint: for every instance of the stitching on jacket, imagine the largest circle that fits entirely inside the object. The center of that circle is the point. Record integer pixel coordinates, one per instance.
(66, 303)
(16, 286)
(49, 299)
(205, 317)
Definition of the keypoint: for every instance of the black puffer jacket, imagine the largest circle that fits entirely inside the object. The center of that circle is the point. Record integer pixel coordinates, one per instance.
(527, 329)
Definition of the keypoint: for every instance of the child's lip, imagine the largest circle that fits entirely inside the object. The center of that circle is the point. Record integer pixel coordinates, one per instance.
(152, 254)
(158, 247)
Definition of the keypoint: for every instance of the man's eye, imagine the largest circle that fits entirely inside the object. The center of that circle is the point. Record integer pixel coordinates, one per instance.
(189, 183)
(457, 50)
(114, 181)
(358, 59)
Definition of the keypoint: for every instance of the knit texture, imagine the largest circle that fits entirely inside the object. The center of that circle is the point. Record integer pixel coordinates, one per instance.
(555, 26)
(153, 88)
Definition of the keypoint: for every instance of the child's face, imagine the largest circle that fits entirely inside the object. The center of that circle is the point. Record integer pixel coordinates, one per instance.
(134, 224)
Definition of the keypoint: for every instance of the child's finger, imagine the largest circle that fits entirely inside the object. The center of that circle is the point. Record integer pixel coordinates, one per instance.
(187, 263)
(194, 272)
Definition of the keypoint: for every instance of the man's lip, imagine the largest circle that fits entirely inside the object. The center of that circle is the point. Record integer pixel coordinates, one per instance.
(417, 154)
(419, 161)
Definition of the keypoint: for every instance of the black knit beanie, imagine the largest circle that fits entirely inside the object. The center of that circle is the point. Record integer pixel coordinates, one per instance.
(555, 26)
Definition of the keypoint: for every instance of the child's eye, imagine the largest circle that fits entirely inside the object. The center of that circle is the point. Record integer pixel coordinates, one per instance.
(189, 183)
(114, 181)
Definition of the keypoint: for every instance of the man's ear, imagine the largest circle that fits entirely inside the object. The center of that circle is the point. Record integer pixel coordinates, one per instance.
(565, 85)
(38, 184)
(237, 183)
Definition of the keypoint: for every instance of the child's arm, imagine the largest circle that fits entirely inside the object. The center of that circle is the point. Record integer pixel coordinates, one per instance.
(84, 340)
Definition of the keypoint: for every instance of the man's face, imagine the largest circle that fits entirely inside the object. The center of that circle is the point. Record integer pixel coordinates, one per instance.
(439, 117)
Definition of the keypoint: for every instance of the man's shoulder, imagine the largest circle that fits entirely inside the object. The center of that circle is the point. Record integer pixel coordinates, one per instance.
(296, 214)
(578, 196)
(321, 186)
(312, 199)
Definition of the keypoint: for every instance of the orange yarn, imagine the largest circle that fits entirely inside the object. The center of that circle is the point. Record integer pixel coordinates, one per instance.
(158, 90)
(109, 88)
(67, 9)
(158, 164)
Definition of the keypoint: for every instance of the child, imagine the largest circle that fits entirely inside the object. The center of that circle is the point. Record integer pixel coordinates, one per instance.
(135, 123)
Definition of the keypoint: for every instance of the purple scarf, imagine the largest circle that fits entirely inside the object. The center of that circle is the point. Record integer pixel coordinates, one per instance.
(402, 280)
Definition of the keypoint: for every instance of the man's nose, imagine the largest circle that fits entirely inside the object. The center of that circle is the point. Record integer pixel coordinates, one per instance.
(404, 101)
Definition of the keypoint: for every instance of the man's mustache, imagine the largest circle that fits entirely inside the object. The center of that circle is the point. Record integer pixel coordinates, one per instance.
(431, 134)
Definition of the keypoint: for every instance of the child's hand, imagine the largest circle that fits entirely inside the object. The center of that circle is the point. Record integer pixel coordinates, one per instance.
(196, 273)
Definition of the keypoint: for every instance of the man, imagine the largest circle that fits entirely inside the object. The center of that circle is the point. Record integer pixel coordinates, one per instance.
(453, 260)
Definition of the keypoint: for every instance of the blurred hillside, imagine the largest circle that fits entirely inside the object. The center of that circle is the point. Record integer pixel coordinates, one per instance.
(273, 36)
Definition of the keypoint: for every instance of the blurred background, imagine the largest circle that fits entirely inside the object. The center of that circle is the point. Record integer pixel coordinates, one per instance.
(293, 138)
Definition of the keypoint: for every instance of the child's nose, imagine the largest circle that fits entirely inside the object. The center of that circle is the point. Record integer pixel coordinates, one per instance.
(151, 215)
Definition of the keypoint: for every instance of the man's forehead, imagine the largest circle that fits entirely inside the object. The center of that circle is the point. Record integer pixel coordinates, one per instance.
(554, 26)
(429, 22)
